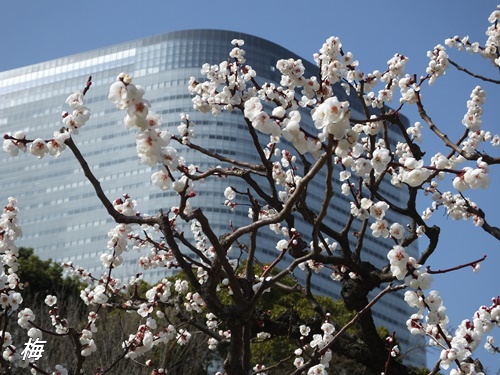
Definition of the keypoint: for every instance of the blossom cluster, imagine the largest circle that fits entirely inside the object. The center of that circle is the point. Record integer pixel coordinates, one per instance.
(491, 45)
(319, 343)
(11, 299)
(359, 149)
(354, 149)
(55, 146)
(438, 63)
(146, 338)
(459, 346)
(152, 143)
(10, 284)
(432, 320)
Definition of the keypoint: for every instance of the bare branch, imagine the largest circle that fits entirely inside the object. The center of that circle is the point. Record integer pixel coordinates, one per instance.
(253, 167)
(478, 76)
(315, 359)
(119, 218)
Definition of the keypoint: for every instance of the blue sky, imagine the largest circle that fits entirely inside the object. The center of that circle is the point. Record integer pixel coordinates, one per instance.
(35, 31)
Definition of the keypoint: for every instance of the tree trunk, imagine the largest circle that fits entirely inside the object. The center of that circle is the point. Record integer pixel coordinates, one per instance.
(238, 356)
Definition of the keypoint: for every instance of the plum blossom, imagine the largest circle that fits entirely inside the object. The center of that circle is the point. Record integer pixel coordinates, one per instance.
(56, 145)
(396, 66)
(317, 370)
(380, 158)
(50, 300)
(362, 211)
(413, 299)
(118, 236)
(14, 299)
(328, 328)
(183, 337)
(262, 336)
(459, 183)
(304, 330)
(151, 141)
(181, 286)
(378, 210)
(438, 63)
(282, 245)
(79, 116)
(229, 193)
(298, 362)
(60, 370)
(477, 178)
(344, 175)
(415, 132)
(212, 343)
(87, 343)
(24, 317)
(397, 231)
(372, 127)
(409, 96)
(75, 100)
(10, 355)
(317, 341)
(7, 338)
(123, 93)
(472, 119)
(418, 278)
(160, 292)
(230, 87)
(489, 345)
(161, 179)
(361, 167)
(398, 258)
(380, 228)
(333, 116)
(144, 310)
(439, 161)
(149, 146)
(34, 333)
(97, 295)
(15, 144)
(182, 184)
(473, 178)
(194, 302)
(254, 112)
(414, 174)
(39, 148)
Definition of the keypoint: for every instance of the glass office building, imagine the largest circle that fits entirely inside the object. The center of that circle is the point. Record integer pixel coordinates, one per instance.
(61, 217)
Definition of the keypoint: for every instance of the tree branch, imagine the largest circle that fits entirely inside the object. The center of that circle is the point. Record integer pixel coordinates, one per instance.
(483, 78)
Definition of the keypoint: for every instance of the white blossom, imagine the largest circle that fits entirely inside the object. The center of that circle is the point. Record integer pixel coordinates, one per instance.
(50, 300)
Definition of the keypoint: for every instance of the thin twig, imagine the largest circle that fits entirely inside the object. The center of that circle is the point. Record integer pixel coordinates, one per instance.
(470, 264)
(478, 76)
(310, 363)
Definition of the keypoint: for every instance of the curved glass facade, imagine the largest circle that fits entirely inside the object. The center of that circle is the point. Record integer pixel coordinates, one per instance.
(61, 217)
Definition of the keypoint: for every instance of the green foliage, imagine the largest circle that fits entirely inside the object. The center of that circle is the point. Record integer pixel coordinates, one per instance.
(290, 308)
(115, 326)
(279, 306)
(43, 277)
(282, 306)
